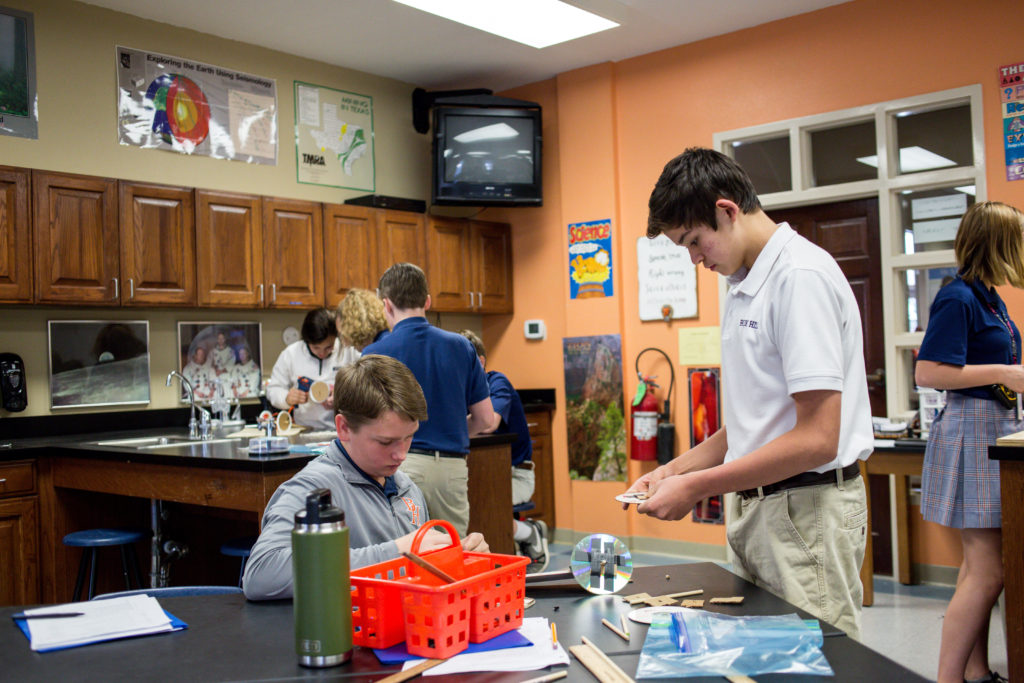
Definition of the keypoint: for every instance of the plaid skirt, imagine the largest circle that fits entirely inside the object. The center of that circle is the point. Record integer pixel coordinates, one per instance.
(959, 484)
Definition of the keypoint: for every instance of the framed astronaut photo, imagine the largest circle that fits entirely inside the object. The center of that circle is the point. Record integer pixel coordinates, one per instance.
(228, 355)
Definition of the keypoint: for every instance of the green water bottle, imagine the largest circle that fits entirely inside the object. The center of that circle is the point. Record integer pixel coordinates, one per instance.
(322, 601)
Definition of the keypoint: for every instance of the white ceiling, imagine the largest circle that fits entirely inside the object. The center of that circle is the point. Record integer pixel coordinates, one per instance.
(388, 39)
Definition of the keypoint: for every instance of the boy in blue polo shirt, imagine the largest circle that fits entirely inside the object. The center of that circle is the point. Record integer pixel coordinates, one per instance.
(454, 384)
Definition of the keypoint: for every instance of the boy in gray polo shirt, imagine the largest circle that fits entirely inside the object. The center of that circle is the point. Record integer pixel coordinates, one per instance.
(379, 405)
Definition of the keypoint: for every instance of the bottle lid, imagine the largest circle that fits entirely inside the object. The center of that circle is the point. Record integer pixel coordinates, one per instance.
(319, 509)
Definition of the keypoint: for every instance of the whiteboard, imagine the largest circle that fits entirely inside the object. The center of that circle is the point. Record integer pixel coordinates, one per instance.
(666, 276)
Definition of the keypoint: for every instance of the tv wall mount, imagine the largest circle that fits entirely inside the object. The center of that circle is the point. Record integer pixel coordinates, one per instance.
(423, 101)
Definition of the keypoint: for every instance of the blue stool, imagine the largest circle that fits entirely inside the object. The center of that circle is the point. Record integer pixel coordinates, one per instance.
(239, 547)
(90, 540)
(518, 510)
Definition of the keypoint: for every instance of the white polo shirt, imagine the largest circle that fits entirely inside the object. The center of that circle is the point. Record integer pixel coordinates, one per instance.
(791, 324)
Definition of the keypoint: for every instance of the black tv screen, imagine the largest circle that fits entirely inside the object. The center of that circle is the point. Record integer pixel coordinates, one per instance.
(487, 157)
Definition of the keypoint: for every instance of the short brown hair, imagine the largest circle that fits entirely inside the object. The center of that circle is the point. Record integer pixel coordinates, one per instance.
(373, 385)
(689, 186)
(989, 244)
(360, 317)
(477, 343)
(318, 326)
(405, 285)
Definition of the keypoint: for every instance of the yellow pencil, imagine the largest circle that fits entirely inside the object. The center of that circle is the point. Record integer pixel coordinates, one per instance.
(554, 636)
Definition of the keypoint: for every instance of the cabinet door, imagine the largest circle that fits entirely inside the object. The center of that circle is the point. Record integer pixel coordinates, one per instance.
(158, 245)
(229, 251)
(75, 239)
(491, 246)
(293, 269)
(350, 250)
(539, 423)
(448, 272)
(400, 239)
(19, 551)
(15, 236)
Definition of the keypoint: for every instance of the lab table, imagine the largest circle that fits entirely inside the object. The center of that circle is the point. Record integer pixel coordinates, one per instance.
(230, 639)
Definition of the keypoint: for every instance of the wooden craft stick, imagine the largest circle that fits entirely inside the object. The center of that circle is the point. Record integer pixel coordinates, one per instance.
(685, 593)
(616, 630)
(411, 673)
(550, 677)
(598, 663)
(734, 600)
(417, 560)
(636, 597)
(740, 679)
(693, 604)
(625, 624)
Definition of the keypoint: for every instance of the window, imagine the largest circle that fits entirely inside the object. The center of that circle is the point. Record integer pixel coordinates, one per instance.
(921, 157)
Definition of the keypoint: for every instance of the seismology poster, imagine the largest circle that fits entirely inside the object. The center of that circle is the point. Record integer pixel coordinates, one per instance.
(594, 418)
(179, 105)
(334, 137)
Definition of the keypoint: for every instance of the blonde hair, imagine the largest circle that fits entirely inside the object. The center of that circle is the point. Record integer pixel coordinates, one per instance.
(989, 244)
(360, 317)
(373, 385)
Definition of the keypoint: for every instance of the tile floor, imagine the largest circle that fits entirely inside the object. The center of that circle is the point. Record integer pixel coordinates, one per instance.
(904, 624)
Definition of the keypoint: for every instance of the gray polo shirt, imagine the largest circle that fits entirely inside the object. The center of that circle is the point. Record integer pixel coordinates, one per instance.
(375, 516)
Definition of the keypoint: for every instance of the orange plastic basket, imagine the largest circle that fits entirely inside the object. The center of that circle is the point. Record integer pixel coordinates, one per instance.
(399, 600)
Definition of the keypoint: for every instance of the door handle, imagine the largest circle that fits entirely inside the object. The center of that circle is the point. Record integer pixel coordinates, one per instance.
(131, 289)
(877, 377)
(273, 292)
(261, 292)
(117, 290)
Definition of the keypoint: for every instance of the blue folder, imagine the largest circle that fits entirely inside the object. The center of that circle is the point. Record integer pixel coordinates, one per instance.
(398, 654)
(176, 625)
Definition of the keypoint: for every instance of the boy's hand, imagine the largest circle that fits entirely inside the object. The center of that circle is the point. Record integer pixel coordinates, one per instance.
(672, 497)
(644, 483)
(475, 543)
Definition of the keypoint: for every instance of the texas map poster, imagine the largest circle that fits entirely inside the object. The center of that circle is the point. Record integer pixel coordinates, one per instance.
(333, 137)
(179, 105)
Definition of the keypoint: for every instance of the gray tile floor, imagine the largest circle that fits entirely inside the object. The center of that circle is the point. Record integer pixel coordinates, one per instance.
(904, 624)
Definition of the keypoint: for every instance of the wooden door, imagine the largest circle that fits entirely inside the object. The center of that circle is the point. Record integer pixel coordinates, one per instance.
(492, 266)
(350, 250)
(19, 551)
(849, 231)
(293, 268)
(158, 245)
(75, 239)
(229, 250)
(401, 239)
(15, 236)
(448, 270)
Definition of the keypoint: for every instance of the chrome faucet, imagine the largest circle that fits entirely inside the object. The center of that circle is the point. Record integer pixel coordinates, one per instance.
(197, 430)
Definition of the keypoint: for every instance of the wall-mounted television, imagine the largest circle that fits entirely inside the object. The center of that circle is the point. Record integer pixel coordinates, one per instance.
(487, 156)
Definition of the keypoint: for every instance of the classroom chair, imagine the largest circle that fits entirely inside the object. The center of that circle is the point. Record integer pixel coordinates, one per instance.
(239, 547)
(92, 539)
(174, 591)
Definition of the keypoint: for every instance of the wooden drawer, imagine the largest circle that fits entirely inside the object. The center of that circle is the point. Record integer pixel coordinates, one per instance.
(17, 478)
(539, 422)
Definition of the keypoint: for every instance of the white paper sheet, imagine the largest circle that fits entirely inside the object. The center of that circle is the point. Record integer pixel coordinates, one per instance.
(131, 615)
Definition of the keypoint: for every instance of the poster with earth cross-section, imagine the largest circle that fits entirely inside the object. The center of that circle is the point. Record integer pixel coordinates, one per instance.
(334, 137)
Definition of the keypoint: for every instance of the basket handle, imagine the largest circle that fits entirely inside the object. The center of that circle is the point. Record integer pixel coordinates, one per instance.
(422, 531)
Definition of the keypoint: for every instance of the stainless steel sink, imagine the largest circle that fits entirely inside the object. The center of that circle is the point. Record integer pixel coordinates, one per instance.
(154, 442)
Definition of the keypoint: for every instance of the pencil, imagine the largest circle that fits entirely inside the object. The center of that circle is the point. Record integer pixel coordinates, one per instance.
(550, 677)
(554, 636)
(50, 615)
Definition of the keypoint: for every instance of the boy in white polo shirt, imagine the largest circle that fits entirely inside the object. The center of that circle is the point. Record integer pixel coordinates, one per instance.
(797, 415)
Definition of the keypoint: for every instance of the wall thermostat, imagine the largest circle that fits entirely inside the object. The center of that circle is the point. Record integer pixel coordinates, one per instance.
(534, 329)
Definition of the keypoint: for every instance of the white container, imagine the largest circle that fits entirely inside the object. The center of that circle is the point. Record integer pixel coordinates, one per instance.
(930, 403)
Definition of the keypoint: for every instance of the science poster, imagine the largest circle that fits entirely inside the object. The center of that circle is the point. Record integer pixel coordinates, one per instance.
(179, 105)
(594, 417)
(590, 259)
(1011, 93)
(333, 137)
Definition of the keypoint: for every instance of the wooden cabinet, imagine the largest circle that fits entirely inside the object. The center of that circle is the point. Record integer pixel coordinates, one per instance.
(229, 251)
(293, 267)
(75, 239)
(157, 245)
(15, 236)
(350, 250)
(539, 423)
(19, 534)
(470, 266)
(400, 239)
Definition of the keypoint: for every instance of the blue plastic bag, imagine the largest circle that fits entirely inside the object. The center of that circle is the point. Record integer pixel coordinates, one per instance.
(695, 643)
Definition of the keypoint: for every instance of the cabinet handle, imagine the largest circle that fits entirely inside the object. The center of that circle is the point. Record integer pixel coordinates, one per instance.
(471, 299)
(261, 292)
(117, 290)
(3, 481)
(131, 289)
(273, 292)
(531, 425)
(479, 299)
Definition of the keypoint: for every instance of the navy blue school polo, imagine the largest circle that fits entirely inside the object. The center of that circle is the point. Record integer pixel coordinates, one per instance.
(967, 325)
(513, 419)
(448, 370)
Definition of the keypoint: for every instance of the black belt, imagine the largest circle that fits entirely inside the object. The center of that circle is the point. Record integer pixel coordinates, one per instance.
(804, 479)
(437, 454)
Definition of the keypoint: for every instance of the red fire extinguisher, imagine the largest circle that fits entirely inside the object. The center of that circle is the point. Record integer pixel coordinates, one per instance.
(644, 413)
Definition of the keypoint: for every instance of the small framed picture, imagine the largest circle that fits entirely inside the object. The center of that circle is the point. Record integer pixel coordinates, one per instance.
(98, 362)
(221, 354)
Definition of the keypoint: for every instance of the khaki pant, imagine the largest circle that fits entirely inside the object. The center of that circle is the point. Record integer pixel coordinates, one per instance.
(445, 486)
(523, 483)
(805, 545)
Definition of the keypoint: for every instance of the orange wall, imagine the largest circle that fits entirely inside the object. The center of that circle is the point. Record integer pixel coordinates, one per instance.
(610, 128)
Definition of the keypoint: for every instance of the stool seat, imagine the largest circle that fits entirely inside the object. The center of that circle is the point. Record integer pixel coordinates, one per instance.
(94, 538)
(518, 510)
(239, 547)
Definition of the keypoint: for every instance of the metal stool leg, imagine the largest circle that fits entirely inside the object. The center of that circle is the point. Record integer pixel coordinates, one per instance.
(124, 567)
(81, 573)
(92, 574)
(135, 566)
